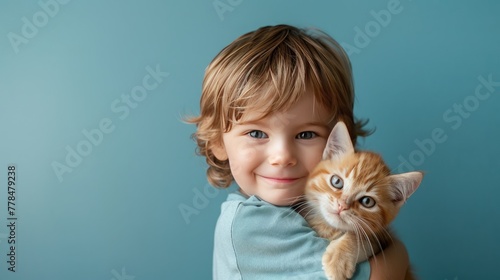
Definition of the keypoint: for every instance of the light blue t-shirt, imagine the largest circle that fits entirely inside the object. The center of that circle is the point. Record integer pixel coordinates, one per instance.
(258, 240)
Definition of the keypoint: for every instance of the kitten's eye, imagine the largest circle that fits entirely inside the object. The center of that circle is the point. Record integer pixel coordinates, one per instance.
(367, 201)
(306, 135)
(257, 134)
(336, 182)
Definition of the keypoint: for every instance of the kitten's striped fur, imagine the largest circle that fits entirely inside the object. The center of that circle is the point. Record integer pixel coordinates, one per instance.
(352, 198)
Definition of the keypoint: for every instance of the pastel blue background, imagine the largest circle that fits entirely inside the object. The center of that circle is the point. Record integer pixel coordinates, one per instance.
(117, 213)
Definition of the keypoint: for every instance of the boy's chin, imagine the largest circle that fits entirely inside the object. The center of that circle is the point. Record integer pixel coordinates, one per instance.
(281, 200)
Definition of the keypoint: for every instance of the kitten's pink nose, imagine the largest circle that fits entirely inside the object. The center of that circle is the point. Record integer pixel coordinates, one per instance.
(343, 206)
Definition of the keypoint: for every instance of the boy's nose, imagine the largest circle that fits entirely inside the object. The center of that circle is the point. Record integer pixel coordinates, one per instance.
(282, 155)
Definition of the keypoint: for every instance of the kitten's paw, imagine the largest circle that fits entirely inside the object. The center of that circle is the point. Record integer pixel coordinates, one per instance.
(338, 266)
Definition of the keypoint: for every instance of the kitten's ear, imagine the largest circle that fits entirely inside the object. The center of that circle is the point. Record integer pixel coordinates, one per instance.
(404, 185)
(338, 143)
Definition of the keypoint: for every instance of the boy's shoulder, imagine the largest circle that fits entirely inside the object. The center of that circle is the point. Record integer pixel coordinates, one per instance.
(239, 206)
(255, 218)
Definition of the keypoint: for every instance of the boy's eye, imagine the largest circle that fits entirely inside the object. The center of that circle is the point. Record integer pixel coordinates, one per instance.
(257, 134)
(306, 135)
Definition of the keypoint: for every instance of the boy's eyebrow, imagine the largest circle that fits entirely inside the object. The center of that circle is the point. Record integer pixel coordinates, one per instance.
(249, 122)
(316, 124)
(320, 124)
(259, 122)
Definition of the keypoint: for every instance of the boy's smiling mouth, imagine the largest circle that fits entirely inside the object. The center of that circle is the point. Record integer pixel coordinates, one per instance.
(281, 180)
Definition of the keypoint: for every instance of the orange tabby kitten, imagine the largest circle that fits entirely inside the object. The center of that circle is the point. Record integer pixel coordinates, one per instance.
(352, 198)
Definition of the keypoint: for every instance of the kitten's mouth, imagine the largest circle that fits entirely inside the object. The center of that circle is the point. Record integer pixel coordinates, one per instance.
(334, 213)
(333, 217)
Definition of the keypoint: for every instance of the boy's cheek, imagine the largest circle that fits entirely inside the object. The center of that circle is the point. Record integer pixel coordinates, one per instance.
(241, 157)
(314, 158)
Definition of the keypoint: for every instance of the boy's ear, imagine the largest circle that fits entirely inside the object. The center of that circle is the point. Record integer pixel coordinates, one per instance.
(219, 151)
(339, 142)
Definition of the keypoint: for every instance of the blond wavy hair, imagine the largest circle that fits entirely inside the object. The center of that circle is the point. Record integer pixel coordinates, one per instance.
(269, 69)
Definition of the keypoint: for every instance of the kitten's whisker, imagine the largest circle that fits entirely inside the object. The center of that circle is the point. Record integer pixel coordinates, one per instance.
(387, 234)
(295, 199)
(359, 242)
(297, 202)
(303, 211)
(375, 236)
(383, 231)
(365, 234)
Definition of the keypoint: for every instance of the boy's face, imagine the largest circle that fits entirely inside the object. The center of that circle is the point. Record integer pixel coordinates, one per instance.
(272, 157)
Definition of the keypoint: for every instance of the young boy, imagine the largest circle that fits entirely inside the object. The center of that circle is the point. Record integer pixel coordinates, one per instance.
(269, 101)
